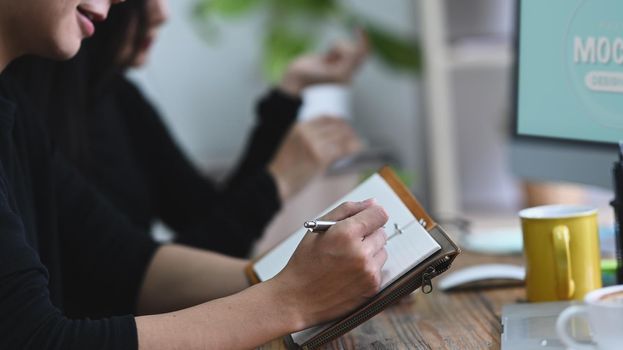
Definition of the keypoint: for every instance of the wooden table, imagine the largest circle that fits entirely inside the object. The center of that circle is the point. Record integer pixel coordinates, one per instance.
(467, 319)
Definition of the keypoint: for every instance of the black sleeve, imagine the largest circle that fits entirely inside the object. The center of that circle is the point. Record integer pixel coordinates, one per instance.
(29, 320)
(276, 112)
(104, 256)
(227, 219)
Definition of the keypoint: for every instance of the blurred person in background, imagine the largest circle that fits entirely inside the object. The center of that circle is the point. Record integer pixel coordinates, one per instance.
(119, 142)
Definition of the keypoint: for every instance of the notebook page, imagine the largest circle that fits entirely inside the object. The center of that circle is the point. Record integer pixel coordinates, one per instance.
(405, 250)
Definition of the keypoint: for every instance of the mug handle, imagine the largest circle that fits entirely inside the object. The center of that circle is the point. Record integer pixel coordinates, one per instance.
(563, 321)
(565, 287)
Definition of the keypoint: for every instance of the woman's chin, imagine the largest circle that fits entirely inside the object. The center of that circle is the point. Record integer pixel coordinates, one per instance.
(64, 50)
(65, 55)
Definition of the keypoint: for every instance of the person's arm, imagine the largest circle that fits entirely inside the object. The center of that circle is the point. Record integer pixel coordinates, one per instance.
(308, 150)
(311, 147)
(329, 275)
(28, 318)
(100, 247)
(191, 205)
(186, 200)
(115, 269)
(243, 321)
(273, 136)
(190, 277)
(276, 113)
(104, 261)
(195, 208)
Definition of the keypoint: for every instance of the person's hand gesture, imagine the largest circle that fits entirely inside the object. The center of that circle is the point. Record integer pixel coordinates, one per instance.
(308, 150)
(332, 273)
(336, 66)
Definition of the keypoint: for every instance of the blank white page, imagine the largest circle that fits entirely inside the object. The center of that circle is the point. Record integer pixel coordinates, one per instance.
(405, 250)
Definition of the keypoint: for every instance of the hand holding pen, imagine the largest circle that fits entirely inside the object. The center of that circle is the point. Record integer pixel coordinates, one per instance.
(338, 270)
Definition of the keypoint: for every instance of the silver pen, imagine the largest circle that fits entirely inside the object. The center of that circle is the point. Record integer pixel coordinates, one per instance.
(318, 225)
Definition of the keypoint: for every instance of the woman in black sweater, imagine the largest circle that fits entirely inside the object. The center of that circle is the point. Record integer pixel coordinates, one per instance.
(120, 144)
(66, 254)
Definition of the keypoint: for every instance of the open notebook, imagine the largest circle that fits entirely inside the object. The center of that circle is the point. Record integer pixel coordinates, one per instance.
(409, 241)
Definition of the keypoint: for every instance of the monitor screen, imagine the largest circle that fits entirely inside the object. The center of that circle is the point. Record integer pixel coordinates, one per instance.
(570, 70)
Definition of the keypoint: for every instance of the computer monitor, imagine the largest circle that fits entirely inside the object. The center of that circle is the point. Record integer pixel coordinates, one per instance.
(569, 92)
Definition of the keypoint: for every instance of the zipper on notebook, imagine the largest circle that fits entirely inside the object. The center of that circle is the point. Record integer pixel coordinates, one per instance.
(433, 270)
(427, 286)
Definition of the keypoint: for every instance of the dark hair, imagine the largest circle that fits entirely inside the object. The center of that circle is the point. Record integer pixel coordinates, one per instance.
(67, 92)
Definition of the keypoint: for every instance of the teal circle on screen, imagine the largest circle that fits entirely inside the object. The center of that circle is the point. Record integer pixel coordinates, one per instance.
(594, 57)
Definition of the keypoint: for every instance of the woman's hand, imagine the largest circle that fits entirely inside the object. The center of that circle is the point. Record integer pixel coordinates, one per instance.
(308, 150)
(332, 273)
(336, 66)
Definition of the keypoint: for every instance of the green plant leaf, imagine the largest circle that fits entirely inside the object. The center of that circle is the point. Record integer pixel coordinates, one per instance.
(396, 52)
(225, 8)
(293, 29)
(280, 48)
(306, 7)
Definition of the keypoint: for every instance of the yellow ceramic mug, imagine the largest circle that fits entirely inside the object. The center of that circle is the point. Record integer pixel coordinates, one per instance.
(561, 247)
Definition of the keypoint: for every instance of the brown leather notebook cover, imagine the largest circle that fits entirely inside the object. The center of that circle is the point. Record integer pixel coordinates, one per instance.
(418, 276)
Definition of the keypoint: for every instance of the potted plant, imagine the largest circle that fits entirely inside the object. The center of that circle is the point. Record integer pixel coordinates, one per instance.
(294, 27)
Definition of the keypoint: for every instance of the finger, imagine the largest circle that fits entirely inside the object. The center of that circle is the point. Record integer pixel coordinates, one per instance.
(342, 136)
(332, 56)
(351, 53)
(380, 258)
(340, 49)
(362, 43)
(335, 135)
(347, 209)
(326, 149)
(375, 242)
(341, 130)
(327, 120)
(330, 139)
(328, 125)
(334, 148)
(320, 124)
(367, 221)
(329, 149)
(330, 133)
(346, 48)
(354, 145)
(342, 57)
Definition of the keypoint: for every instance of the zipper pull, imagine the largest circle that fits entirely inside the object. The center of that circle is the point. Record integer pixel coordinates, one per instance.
(427, 286)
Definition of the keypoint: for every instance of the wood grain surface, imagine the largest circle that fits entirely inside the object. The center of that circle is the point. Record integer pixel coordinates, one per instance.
(467, 319)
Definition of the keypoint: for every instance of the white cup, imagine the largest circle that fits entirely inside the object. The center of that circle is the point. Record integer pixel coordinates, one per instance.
(333, 100)
(605, 318)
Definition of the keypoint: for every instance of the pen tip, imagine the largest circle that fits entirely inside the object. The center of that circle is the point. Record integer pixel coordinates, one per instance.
(309, 224)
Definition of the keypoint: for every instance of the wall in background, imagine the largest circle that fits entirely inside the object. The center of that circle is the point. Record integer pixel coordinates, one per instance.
(207, 92)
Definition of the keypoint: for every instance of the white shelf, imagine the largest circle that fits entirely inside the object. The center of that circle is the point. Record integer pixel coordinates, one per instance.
(443, 58)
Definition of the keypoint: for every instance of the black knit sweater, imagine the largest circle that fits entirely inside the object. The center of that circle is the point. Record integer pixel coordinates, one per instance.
(135, 163)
